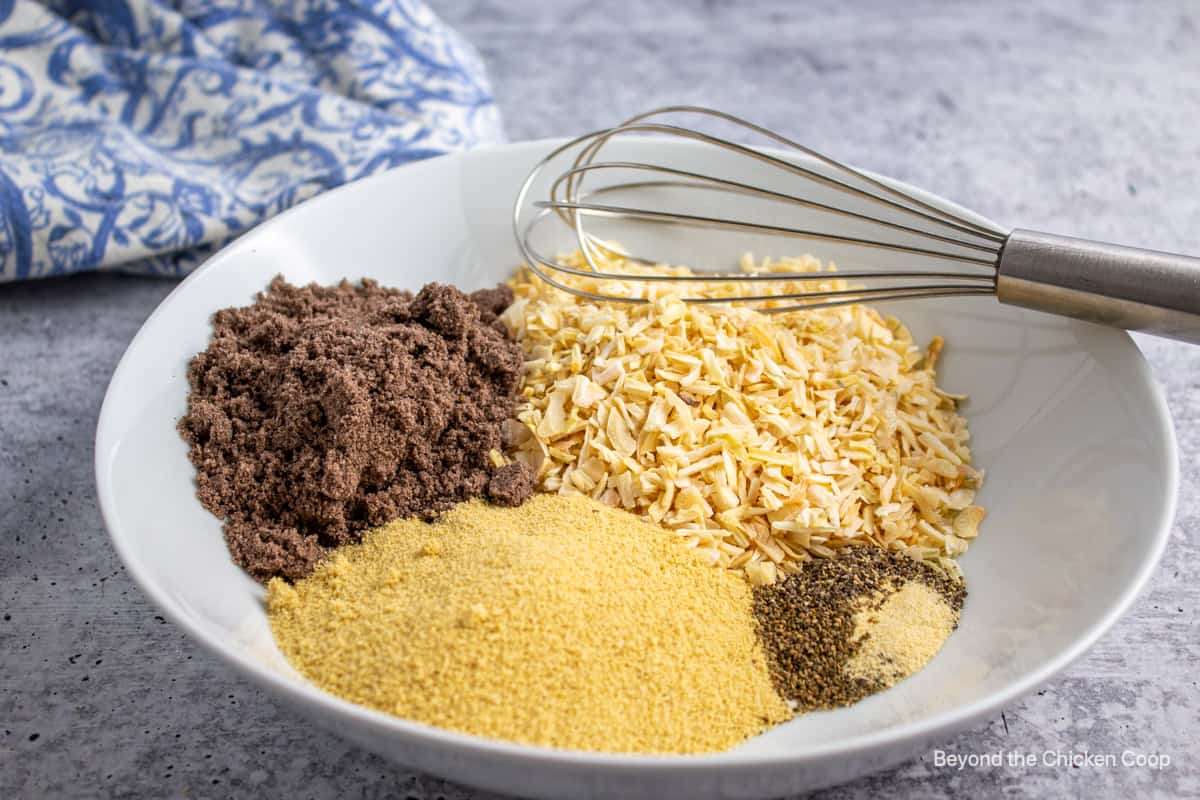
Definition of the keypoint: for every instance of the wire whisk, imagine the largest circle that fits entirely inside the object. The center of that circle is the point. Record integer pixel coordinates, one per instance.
(792, 191)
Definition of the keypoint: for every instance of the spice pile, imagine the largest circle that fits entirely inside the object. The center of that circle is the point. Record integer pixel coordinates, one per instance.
(372, 454)
(848, 626)
(763, 440)
(567, 623)
(318, 412)
(562, 623)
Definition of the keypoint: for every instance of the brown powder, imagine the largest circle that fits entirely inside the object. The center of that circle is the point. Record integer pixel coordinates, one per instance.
(848, 626)
(562, 623)
(319, 412)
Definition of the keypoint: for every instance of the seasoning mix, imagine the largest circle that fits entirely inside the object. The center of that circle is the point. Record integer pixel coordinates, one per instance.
(372, 454)
(319, 412)
(762, 439)
(561, 623)
(844, 627)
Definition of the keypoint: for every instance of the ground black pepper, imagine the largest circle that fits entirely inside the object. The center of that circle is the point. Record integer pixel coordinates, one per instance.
(807, 621)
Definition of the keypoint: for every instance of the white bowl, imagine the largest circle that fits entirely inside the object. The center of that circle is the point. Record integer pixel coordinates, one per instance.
(1066, 419)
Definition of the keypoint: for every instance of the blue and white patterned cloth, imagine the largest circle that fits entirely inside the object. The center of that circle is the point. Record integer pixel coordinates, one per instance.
(140, 135)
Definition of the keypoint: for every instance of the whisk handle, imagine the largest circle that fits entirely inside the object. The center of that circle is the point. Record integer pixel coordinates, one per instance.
(1126, 287)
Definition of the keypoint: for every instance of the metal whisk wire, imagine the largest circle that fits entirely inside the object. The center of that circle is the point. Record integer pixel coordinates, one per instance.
(952, 237)
(1127, 287)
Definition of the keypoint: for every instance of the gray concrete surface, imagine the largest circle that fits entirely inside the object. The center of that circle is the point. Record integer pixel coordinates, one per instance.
(1078, 117)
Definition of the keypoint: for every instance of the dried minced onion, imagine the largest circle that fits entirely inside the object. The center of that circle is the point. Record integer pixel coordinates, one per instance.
(762, 439)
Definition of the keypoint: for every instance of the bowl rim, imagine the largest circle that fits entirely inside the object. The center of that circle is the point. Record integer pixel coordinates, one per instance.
(417, 734)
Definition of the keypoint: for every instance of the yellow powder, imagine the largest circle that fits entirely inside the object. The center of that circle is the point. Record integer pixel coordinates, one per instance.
(562, 623)
(901, 634)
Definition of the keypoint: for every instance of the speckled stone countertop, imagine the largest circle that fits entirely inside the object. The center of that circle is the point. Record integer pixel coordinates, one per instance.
(1079, 117)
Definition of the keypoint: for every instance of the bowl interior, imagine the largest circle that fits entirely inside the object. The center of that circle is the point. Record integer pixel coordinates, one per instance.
(1064, 416)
